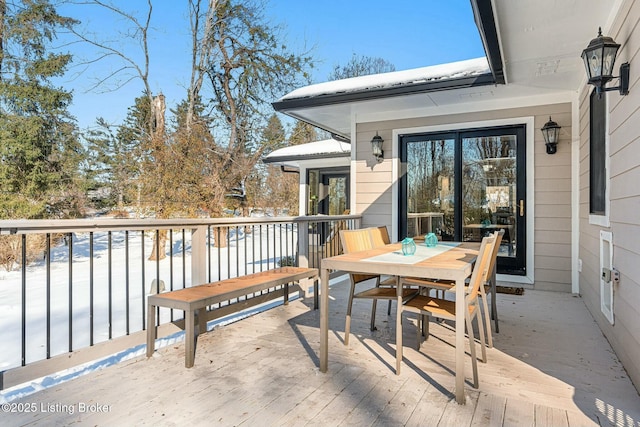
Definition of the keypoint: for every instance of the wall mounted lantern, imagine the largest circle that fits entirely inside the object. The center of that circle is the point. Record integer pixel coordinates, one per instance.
(376, 147)
(599, 58)
(551, 133)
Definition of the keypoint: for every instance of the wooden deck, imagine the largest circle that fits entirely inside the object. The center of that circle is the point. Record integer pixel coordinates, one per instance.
(551, 366)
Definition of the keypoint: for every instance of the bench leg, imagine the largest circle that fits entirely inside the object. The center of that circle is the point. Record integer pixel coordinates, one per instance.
(202, 321)
(152, 332)
(286, 293)
(316, 292)
(189, 339)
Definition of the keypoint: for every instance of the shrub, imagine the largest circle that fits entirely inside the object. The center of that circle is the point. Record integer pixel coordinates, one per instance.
(287, 261)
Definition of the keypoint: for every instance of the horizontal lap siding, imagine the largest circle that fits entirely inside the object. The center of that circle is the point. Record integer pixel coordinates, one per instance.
(373, 184)
(624, 192)
(552, 184)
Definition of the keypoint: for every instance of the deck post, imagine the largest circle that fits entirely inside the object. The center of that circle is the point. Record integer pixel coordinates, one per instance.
(303, 260)
(199, 255)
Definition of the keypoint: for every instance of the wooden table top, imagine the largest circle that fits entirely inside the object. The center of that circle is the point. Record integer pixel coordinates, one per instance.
(452, 264)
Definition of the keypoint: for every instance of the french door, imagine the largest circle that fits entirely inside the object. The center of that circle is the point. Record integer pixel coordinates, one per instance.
(334, 198)
(463, 185)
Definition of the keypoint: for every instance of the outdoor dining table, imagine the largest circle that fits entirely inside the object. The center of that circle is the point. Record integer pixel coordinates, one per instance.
(448, 260)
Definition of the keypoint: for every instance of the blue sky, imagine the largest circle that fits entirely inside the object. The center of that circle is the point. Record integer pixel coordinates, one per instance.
(409, 34)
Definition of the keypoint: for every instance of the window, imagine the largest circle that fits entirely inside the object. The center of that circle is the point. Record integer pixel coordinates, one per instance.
(598, 155)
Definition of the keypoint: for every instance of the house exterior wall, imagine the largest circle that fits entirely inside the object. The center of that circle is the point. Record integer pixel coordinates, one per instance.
(374, 196)
(624, 197)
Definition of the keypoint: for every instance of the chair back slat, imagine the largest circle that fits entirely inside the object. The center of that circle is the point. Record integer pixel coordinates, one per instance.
(379, 236)
(496, 247)
(481, 269)
(356, 240)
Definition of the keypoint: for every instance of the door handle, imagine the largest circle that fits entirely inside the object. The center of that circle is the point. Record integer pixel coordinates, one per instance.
(521, 207)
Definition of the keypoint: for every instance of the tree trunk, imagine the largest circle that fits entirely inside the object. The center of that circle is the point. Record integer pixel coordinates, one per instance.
(220, 237)
(159, 245)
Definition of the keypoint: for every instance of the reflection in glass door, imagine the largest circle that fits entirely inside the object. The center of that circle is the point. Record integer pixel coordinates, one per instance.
(335, 200)
(464, 185)
(489, 199)
(430, 187)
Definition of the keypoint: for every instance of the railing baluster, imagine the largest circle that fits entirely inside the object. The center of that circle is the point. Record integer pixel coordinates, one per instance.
(158, 249)
(260, 246)
(218, 239)
(110, 282)
(267, 226)
(170, 268)
(237, 252)
(253, 248)
(126, 280)
(244, 233)
(184, 260)
(210, 231)
(70, 292)
(47, 255)
(143, 280)
(24, 299)
(228, 240)
(91, 288)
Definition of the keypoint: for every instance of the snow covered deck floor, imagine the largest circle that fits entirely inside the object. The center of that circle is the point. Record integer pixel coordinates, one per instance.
(551, 366)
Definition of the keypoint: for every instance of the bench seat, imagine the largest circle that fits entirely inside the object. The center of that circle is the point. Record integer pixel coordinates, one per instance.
(196, 299)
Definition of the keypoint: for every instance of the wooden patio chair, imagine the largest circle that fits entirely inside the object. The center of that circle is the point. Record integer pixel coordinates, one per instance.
(380, 237)
(426, 306)
(360, 240)
(488, 287)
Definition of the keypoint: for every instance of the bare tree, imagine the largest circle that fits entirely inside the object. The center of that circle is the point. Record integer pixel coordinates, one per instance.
(361, 66)
(244, 65)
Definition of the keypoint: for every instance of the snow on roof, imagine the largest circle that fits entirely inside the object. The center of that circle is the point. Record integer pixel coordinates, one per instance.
(325, 148)
(450, 71)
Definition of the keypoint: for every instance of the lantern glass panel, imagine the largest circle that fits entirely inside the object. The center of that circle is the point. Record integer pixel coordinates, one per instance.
(608, 60)
(595, 63)
(377, 148)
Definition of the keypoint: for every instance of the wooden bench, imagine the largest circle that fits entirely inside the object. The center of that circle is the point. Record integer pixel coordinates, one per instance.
(195, 300)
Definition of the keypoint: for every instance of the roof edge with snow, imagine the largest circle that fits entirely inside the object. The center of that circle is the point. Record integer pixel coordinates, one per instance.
(326, 149)
(455, 75)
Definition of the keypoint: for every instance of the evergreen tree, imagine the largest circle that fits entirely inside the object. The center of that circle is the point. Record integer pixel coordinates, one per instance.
(112, 164)
(302, 133)
(40, 155)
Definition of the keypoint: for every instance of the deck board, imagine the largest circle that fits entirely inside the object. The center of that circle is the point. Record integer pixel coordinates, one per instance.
(263, 370)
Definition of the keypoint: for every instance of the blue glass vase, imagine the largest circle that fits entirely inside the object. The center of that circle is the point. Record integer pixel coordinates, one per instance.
(408, 246)
(431, 240)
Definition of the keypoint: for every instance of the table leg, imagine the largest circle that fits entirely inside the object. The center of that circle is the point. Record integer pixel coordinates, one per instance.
(398, 327)
(324, 320)
(460, 324)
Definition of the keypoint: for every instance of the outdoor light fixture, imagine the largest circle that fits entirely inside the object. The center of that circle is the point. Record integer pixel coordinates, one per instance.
(551, 133)
(376, 147)
(599, 58)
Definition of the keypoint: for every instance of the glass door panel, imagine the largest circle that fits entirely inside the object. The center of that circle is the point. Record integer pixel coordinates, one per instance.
(489, 185)
(337, 188)
(430, 201)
